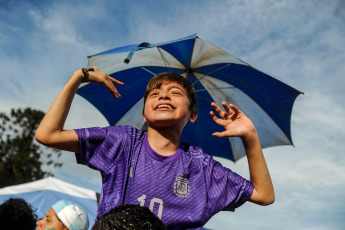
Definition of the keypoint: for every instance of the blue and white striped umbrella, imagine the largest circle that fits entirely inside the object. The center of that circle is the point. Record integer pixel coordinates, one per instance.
(216, 75)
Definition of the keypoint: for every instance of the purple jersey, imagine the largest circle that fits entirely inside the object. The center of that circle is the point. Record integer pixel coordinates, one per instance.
(184, 190)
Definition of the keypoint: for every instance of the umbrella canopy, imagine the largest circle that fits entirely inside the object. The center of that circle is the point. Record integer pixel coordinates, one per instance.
(216, 75)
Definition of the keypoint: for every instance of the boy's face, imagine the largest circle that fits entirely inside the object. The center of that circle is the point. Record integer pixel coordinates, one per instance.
(168, 106)
(50, 222)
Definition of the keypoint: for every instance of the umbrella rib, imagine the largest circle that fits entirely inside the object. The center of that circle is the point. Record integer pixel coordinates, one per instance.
(148, 71)
(206, 74)
(204, 98)
(164, 59)
(200, 90)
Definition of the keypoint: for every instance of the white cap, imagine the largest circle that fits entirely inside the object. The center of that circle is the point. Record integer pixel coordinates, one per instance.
(72, 215)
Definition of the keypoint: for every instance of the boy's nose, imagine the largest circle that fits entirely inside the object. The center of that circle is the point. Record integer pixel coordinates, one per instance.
(38, 223)
(164, 96)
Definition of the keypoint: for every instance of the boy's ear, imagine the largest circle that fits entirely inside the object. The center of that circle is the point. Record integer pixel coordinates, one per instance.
(193, 117)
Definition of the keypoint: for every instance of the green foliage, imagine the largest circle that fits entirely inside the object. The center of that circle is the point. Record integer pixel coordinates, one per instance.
(21, 157)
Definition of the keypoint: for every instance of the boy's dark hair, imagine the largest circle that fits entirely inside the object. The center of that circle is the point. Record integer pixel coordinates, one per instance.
(129, 217)
(157, 81)
(16, 213)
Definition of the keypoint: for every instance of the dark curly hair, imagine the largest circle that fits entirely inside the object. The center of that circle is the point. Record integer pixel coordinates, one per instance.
(16, 213)
(129, 217)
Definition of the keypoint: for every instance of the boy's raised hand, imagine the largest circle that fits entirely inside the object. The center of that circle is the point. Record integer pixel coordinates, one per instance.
(104, 79)
(51, 131)
(235, 123)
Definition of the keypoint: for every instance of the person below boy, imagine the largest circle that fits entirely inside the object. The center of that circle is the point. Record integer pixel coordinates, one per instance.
(180, 183)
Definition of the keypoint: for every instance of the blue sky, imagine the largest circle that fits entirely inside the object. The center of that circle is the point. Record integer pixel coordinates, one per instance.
(300, 42)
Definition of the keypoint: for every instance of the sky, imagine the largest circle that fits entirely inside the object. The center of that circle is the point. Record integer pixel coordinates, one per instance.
(300, 42)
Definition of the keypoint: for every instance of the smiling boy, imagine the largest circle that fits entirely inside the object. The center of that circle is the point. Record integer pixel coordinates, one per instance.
(169, 104)
(180, 183)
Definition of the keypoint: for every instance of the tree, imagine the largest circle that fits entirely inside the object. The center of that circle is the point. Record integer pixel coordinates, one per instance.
(21, 156)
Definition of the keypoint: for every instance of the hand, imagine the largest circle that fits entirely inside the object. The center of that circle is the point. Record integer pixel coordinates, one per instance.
(235, 123)
(104, 79)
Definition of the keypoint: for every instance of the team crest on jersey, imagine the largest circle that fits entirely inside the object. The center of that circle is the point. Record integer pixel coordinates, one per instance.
(181, 186)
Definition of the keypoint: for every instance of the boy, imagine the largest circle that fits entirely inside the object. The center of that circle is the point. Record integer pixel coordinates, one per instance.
(181, 184)
(64, 215)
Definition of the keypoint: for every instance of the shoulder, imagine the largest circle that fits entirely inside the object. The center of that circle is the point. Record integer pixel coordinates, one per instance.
(205, 160)
(109, 130)
(127, 128)
(121, 128)
(197, 154)
(132, 132)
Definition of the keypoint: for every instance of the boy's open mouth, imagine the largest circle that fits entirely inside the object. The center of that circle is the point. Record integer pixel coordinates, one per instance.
(164, 106)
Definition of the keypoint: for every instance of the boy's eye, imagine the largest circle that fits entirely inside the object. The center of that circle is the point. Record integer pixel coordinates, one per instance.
(177, 92)
(153, 93)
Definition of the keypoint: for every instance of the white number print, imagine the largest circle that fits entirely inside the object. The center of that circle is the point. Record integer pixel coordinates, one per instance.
(152, 204)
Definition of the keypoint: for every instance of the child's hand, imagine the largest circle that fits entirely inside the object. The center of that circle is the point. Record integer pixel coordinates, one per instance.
(236, 124)
(104, 79)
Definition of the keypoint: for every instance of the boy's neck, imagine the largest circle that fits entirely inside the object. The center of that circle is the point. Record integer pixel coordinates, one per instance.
(164, 142)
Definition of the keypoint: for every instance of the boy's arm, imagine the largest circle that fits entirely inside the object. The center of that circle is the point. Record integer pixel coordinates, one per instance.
(236, 124)
(50, 132)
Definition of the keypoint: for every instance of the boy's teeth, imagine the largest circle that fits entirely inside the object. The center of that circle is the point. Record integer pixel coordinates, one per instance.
(164, 106)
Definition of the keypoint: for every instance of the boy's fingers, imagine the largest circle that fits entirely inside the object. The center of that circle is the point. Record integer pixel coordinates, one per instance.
(113, 80)
(216, 119)
(227, 108)
(110, 86)
(116, 93)
(234, 108)
(219, 134)
(214, 105)
(221, 113)
(213, 116)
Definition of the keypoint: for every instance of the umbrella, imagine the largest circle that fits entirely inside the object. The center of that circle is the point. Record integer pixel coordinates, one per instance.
(216, 75)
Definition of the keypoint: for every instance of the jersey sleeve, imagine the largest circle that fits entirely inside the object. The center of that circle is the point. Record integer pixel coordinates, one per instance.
(101, 148)
(226, 189)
